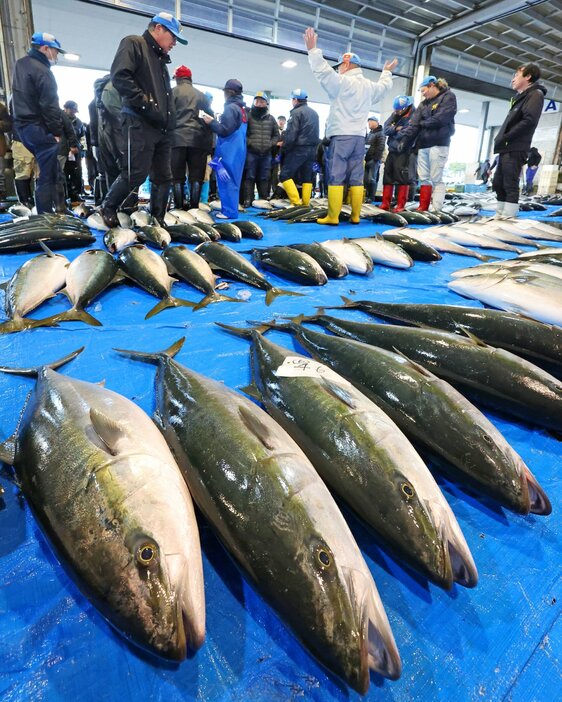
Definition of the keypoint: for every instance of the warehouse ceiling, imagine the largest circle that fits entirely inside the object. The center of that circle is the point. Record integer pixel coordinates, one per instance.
(486, 40)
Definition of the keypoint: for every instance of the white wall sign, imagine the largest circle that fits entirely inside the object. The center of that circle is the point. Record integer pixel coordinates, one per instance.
(551, 106)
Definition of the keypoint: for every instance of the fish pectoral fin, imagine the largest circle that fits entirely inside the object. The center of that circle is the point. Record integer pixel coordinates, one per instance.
(475, 339)
(252, 391)
(4, 286)
(257, 427)
(119, 277)
(338, 392)
(46, 249)
(107, 429)
(414, 365)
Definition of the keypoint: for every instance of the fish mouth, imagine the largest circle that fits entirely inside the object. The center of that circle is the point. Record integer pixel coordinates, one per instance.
(539, 502)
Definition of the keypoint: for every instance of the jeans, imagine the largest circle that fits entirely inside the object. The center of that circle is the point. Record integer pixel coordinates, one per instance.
(431, 164)
(372, 169)
(44, 147)
(344, 160)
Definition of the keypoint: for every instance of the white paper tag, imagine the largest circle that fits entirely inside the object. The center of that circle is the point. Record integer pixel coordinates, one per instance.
(299, 367)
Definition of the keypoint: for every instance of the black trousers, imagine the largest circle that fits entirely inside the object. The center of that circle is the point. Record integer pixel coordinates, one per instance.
(297, 164)
(195, 160)
(73, 177)
(507, 174)
(148, 152)
(400, 169)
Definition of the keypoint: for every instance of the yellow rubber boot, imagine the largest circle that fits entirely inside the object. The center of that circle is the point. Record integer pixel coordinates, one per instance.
(335, 202)
(306, 193)
(356, 194)
(292, 192)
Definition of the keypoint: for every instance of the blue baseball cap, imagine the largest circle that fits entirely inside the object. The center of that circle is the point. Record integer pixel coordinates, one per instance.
(299, 94)
(427, 80)
(167, 20)
(263, 95)
(401, 102)
(348, 57)
(46, 39)
(373, 118)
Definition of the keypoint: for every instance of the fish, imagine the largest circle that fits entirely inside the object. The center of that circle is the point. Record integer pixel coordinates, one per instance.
(109, 495)
(332, 265)
(532, 295)
(117, 239)
(81, 210)
(250, 230)
(275, 516)
(180, 216)
(142, 218)
(355, 258)
(394, 219)
(446, 245)
(292, 264)
(413, 217)
(262, 204)
(28, 237)
(415, 248)
(466, 238)
(430, 411)
(212, 233)
(156, 235)
(87, 276)
(149, 271)
(384, 252)
(502, 233)
(232, 264)
(19, 211)
(194, 270)
(95, 221)
(228, 231)
(37, 280)
(187, 233)
(539, 342)
(201, 216)
(499, 378)
(362, 456)
(279, 204)
(124, 220)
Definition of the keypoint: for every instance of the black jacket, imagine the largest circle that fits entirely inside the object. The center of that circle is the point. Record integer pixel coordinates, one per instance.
(35, 98)
(395, 128)
(68, 139)
(516, 132)
(374, 145)
(263, 132)
(433, 122)
(232, 117)
(190, 130)
(139, 74)
(303, 127)
(534, 157)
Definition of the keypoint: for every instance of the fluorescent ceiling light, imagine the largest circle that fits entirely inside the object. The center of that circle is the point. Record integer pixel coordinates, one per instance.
(463, 112)
(71, 57)
(289, 64)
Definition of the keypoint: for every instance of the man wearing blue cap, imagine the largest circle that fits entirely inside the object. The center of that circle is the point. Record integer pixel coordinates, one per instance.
(432, 126)
(140, 75)
(37, 113)
(352, 97)
(300, 140)
(374, 151)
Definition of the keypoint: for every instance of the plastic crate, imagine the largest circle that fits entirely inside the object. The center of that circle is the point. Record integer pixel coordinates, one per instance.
(475, 188)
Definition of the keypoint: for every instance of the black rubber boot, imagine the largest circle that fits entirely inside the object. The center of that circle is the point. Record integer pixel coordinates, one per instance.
(248, 192)
(194, 193)
(159, 195)
(23, 190)
(179, 201)
(263, 189)
(60, 197)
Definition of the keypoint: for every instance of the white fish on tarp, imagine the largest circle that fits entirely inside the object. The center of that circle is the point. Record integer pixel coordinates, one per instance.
(182, 216)
(465, 237)
(95, 221)
(354, 256)
(444, 245)
(124, 220)
(279, 204)
(117, 238)
(201, 216)
(536, 296)
(514, 265)
(141, 218)
(262, 205)
(384, 252)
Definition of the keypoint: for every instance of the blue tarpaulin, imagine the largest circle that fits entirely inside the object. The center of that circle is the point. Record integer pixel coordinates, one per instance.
(500, 641)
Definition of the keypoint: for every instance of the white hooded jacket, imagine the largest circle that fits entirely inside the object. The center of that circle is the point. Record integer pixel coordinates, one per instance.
(352, 95)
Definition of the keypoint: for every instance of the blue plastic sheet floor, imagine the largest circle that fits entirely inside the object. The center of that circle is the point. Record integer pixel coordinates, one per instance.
(500, 641)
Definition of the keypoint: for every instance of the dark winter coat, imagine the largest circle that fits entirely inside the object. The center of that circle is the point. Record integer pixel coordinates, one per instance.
(433, 122)
(516, 132)
(374, 145)
(303, 127)
(68, 139)
(395, 128)
(35, 98)
(263, 131)
(139, 73)
(534, 157)
(232, 117)
(190, 130)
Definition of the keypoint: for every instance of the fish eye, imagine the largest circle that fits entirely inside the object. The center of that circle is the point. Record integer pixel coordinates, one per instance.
(407, 489)
(487, 439)
(324, 557)
(146, 553)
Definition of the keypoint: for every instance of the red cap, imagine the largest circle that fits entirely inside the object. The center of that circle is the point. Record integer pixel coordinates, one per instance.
(182, 72)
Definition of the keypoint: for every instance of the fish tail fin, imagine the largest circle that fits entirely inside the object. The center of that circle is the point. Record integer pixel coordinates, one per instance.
(348, 302)
(77, 315)
(168, 302)
(155, 357)
(272, 293)
(34, 372)
(301, 318)
(246, 332)
(214, 297)
(16, 325)
(483, 257)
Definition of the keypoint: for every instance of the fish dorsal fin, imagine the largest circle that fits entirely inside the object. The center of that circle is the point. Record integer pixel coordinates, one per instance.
(413, 364)
(4, 285)
(257, 427)
(339, 392)
(101, 383)
(107, 429)
(252, 391)
(475, 339)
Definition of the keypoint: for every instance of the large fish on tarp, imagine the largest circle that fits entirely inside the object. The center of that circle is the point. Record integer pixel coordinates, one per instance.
(37, 280)
(432, 412)
(498, 377)
(231, 263)
(109, 495)
(416, 249)
(363, 456)
(276, 518)
(291, 263)
(384, 252)
(332, 265)
(54, 233)
(507, 330)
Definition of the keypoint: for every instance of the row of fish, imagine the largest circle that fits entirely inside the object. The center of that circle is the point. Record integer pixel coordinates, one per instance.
(56, 231)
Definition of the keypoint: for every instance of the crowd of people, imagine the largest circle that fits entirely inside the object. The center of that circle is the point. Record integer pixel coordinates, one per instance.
(141, 127)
